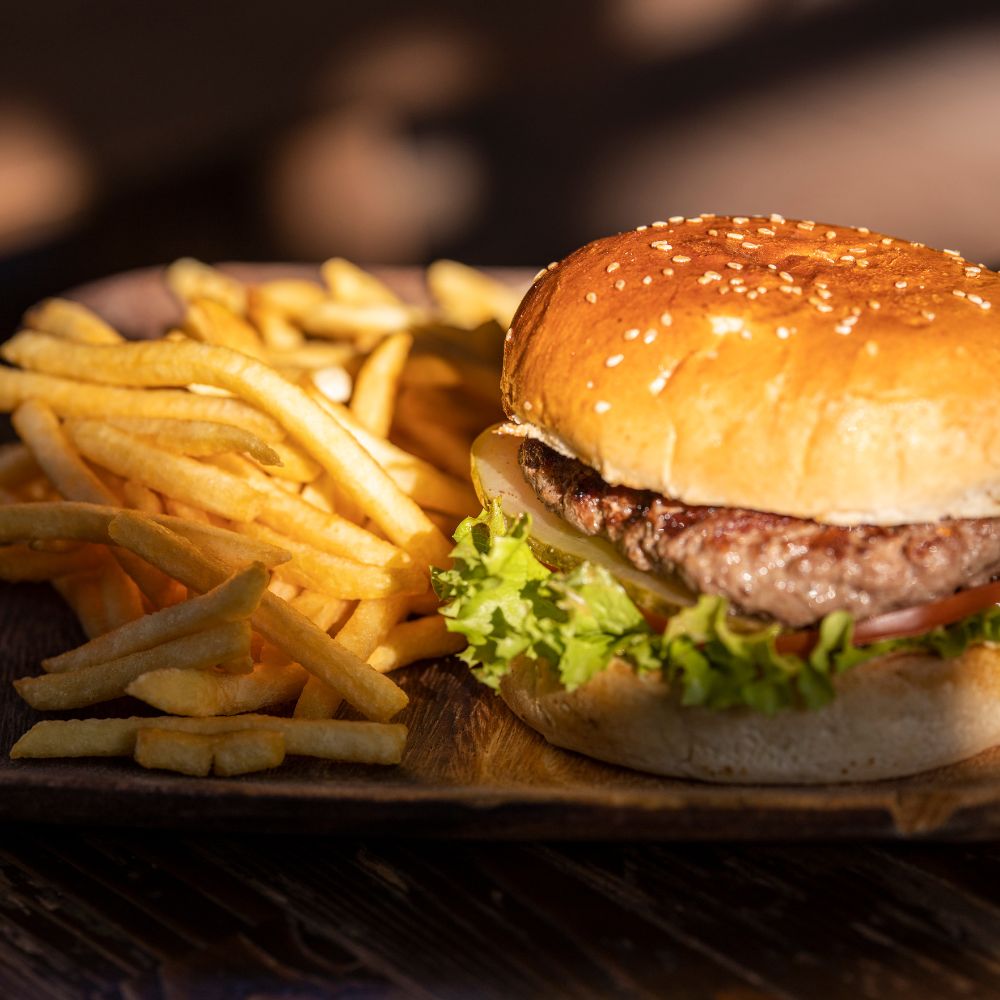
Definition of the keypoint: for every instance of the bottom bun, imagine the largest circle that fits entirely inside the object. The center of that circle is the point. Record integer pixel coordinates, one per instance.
(891, 717)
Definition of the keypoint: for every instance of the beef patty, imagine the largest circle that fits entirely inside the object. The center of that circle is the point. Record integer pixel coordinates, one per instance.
(785, 568)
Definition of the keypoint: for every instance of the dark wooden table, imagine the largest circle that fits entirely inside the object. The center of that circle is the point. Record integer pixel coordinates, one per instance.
(136, 915)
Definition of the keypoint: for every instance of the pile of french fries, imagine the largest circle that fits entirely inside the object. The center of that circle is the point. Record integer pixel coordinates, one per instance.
(243, 512)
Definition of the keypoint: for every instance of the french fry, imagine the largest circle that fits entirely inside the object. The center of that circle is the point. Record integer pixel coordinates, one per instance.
(21, 563)
(119, 595)
(70, 398)
(281, 625)
(233, 549)
(163, 364)
(213, 323)
(140, 497)
(354, 286)
(355, 742)
(326, 613)
(168, 473)
(177, 691)
(82, 592)
(420, 639)
(291, 297)
(104, 681)
(469, 298)
(247, 751)
(274, 327)
(197, 437)
(338, 576)
(233, 600)
(184, 511)
(362, 633)
(17, 465)
(293, 464)
(72, 320)
(439, 444)
(336, 319)
(313, 356)
(189, 280)
(165, 750)
(377, 382)
(39, 429)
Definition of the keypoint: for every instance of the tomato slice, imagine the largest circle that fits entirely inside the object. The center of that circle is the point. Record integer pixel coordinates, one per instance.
(905, 622)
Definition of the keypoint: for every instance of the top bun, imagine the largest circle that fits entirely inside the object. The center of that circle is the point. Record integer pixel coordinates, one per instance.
(813, 370)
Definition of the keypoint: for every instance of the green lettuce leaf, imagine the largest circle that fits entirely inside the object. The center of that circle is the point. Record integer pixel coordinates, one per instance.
(507, 604)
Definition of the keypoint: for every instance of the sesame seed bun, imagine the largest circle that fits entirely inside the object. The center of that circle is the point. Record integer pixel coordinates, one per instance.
(891, 717)
(813, 370)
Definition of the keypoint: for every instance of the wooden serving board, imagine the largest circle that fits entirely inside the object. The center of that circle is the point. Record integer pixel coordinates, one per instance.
(471, 769)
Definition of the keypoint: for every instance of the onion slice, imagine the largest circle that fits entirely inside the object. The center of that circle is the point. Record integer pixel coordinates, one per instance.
(907, 621)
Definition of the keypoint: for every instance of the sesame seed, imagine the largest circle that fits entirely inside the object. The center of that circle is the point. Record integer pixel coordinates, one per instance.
(972, 269)
(824, 292)
(750, 246)
(863, 230)
(648, 280)
(740, 220)
(958, 292)
(661, 245)
(602, 406)
(649, 336)
(746, 334)
(847, 256)
(676, 218)
(631, 334)
(656, 386)
(764, 231)
(952, 253)
(706, 215)
(886, 241)
(752, 294)
(681, 259)
(842, 329)
(591, 297)
(721, 325)
(620, 284)
(590, 383)
(772, 267)
(806, 225)
(978, 299)
(658, 224)
(871, 348)
(735, 265)
(928, 315)
(553, 265)
(824, 308)
(830, 234)
(901, 284)
(863, 263)
(858, 250)
(527, 407)
(774, 217)
(785, 276)
(693, 221)
(612, 267)
(713, 232)
(641, 229)
(736, 281)
(782, 333)
(984, 304)
(787, 289)
(509, 336)
(666, 319)
(614, 361)
(667, 272)
(735, 236)
(873, 304)
(537, 276)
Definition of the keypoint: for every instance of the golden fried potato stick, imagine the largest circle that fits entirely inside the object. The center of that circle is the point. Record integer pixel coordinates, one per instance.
(354, 286)
(356, 742)
(247, 751)
(71, 398)
(17, 465)
(293, 464)
(185, 512)
(420, 639)
(274, 327)
(208, 692)
(183, 753)
(291, 297)
(71, 320)
(377, 383)
(212, 323)
(324, 612)
(341, 321)
(189, 279)
(368, 691)
(19, 563)
(119, 594)
(163, 364)
(104, 681)
(197, 437)
(468, 298)
(39, 428)
(166, 472)
(362, 633)
(438, 443)
(141, 497)
(338, 576)
(82, 592)
(233, 600)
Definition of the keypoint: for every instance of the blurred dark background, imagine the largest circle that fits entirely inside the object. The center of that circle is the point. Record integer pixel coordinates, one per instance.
(132, 133)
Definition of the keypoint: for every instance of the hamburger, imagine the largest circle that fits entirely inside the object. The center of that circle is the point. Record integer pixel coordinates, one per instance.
(743, 523)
